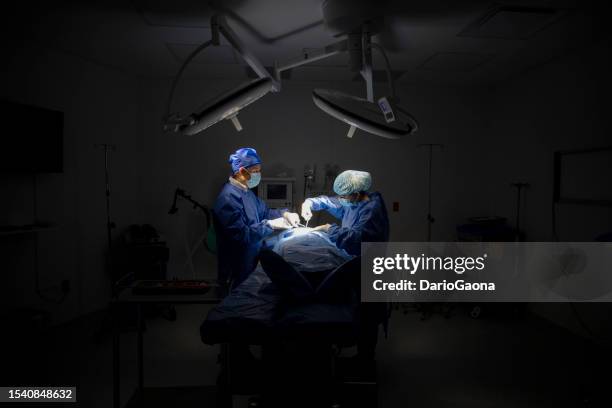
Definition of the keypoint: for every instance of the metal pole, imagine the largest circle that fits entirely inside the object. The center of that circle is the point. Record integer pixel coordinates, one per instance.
(519, 188)
(140, 324)
(366, 67)
(116, 358)
(109, 223)
(518, 209)
(430, 218)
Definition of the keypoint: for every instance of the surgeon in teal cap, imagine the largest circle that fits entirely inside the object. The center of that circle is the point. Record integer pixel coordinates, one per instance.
(242, 220)
(362, 213)
(363, 218)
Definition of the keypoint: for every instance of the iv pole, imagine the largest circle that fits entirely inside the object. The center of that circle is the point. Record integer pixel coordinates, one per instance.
(519, 187)
(430, 218)
(109, 224)
(428, 309)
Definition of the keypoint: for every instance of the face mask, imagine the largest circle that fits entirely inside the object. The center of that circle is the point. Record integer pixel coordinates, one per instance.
(347, 203)
(254, 180)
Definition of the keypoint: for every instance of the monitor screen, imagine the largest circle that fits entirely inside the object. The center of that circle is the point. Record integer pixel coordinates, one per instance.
(276, 192)
(32, 139)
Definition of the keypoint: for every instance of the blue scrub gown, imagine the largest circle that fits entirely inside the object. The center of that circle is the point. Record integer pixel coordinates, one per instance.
(240, 223)
(366, 222)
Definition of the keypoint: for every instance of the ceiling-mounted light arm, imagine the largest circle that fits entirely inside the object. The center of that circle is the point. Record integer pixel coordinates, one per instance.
(311, 56)
(175, 118)
(219, 24)
(390, 80)
(357, 45)
(366, 64)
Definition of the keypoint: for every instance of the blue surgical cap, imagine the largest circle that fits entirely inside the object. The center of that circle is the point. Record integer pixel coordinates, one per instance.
(244, 157)
(352, 181)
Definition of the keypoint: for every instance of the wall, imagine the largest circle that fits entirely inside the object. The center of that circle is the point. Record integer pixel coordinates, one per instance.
(558, 106)
(101, 105)
(561, 105)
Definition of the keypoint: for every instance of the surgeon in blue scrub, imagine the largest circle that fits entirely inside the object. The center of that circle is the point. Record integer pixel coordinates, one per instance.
(363, 213)
(364, 219)
(243, 220)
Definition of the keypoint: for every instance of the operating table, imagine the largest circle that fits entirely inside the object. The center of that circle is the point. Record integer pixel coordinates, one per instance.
(278, 306)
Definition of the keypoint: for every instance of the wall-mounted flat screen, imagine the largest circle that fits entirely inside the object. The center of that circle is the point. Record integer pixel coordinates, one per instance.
(32, 139)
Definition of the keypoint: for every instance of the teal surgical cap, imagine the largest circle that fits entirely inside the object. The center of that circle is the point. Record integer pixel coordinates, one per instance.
(352, 181)
(244, 157)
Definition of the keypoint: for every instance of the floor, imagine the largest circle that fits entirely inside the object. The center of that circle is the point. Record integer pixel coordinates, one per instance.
(501, 361)
(496, 361)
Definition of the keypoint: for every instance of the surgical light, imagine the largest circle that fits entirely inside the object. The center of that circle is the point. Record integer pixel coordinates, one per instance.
(362, 114)
(229, 104)
(384, 117)
(226, 106)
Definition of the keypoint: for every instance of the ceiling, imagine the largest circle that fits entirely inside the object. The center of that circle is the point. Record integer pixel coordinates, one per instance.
(435, 41)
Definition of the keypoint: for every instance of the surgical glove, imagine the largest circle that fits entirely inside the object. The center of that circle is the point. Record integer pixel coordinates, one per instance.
(279, 224)
(292, 218)
(307, 210)
(323, 228)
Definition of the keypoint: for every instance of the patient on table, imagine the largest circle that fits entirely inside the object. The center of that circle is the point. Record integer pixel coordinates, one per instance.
(309, 251)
